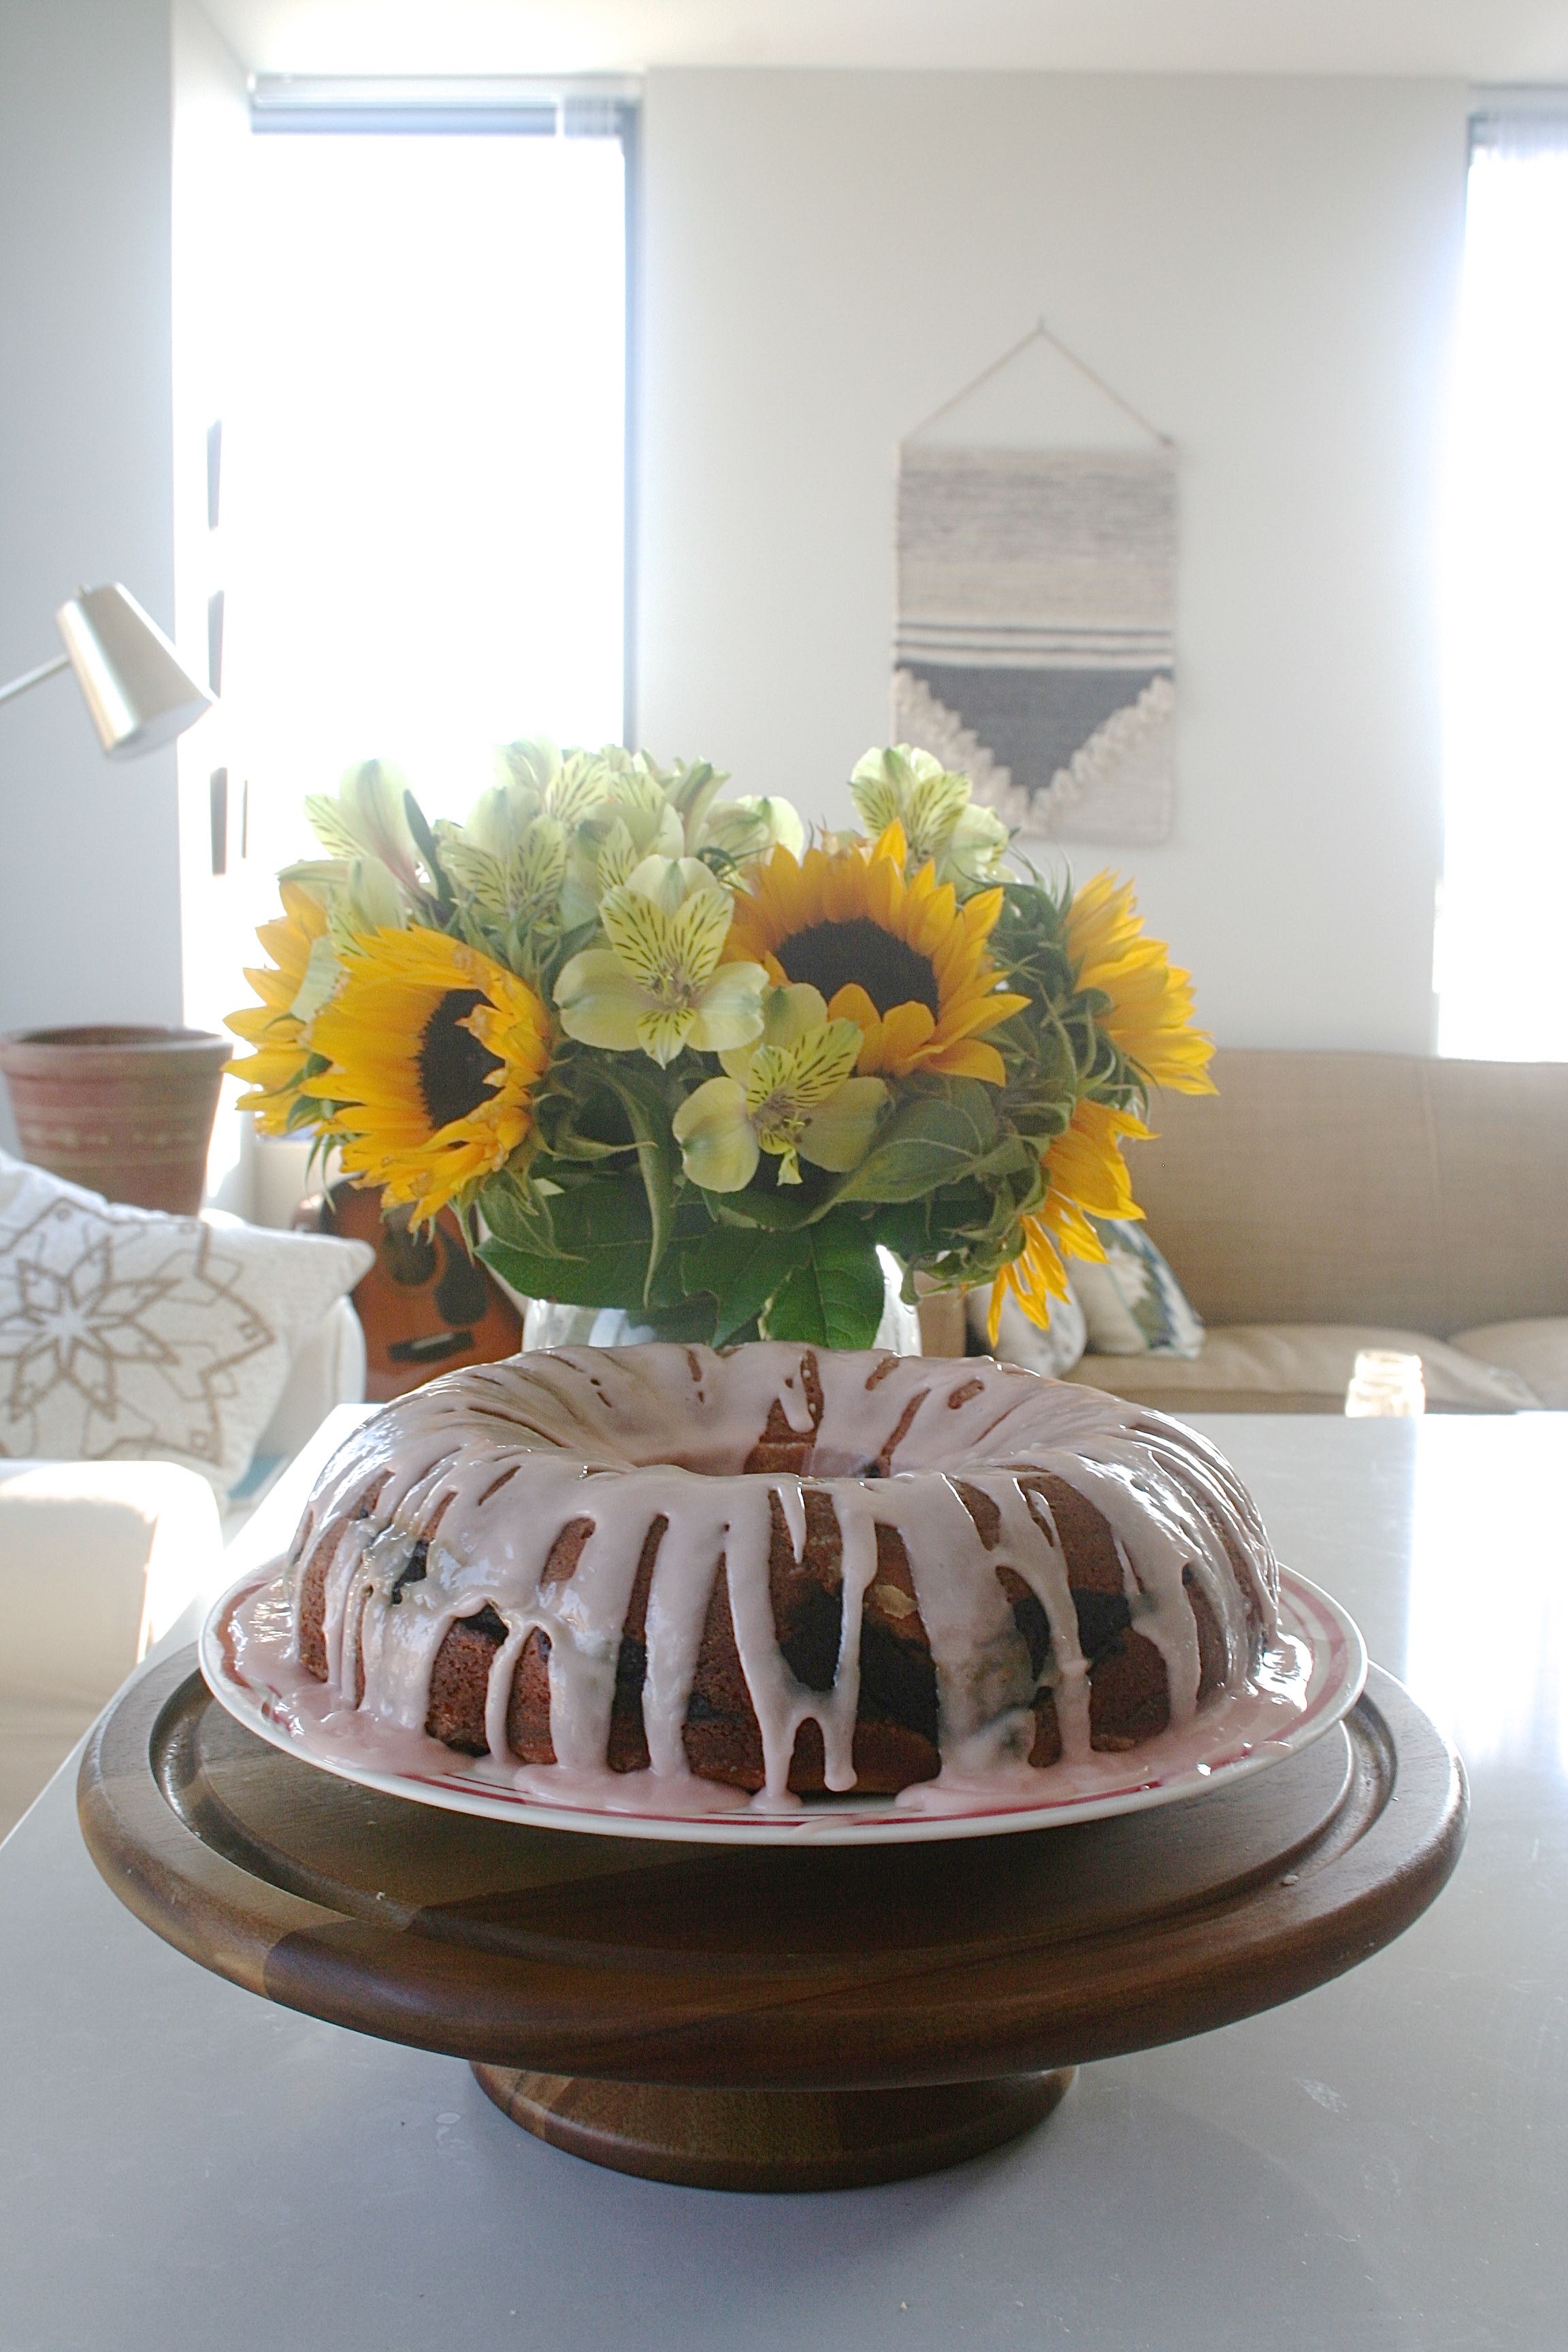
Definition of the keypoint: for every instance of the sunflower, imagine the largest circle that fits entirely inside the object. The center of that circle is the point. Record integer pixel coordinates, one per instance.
(434, 1051)
(1150, 1011)
(275, 1071)
(902, 959)
(1086, 1176)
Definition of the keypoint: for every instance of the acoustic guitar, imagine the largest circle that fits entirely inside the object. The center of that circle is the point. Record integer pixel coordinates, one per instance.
(425, 1304)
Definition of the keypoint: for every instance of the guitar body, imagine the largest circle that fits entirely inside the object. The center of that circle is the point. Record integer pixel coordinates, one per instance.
(425, 1304)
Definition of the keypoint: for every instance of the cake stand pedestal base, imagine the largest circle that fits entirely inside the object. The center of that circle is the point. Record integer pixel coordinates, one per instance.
(867, 2012)
(772, 2139)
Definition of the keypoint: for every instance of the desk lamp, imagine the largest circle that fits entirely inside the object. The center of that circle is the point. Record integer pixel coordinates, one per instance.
(130, 676)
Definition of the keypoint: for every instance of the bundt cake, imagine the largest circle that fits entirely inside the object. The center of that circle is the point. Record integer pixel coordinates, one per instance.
(773, 1568)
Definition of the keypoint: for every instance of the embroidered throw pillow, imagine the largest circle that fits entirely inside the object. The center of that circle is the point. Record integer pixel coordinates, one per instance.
(1053, 1351)
(126, 1335)
(1133, 1304)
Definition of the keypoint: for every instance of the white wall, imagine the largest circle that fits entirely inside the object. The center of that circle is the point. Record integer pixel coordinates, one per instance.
(211, 144)
(1267, 268)
(90, 923)
(211, 153)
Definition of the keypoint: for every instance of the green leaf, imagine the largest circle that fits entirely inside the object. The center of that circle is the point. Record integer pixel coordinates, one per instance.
(742, 1268)
(647, 1114)
(834, 1298)
(934, 1140)
(517, 1214)
(424, 842)
(785, 1211)
(602, 1234)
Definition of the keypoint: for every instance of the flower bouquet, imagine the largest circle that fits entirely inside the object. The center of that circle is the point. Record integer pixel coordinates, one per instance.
(658, 1053)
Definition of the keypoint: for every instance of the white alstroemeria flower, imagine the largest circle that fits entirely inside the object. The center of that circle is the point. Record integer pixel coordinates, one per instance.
(571, 786)
(499, 820)
(368, 818)
(530, 760)
(936, 808)
(507, 862)
(633, 820)
(659, 983)
(792, 1095)
(750, 827)
(374, 902)
(691, 786)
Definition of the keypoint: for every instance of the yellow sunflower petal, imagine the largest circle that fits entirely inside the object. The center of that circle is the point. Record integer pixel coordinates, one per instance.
(1150, 1011)
(430, 1098)
(852, 1004)
(906, 1030)
(920, 999)
(970, 1057)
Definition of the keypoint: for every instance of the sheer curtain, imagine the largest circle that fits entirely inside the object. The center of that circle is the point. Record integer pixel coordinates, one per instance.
(417, 500)
(1501, 976)
(425, 486)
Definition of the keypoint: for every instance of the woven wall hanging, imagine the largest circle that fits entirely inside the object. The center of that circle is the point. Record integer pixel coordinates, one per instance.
(1035, 624)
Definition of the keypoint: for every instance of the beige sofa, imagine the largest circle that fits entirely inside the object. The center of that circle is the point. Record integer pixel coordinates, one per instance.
(1322, 1202)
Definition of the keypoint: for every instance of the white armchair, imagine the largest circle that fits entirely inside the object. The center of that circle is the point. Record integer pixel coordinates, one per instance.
(97, 1559)
(328, 1371)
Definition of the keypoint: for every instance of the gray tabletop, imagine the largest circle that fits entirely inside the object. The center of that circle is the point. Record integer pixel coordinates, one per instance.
(1384, 2163)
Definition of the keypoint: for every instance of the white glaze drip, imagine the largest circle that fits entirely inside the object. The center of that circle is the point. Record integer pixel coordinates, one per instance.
(487, 1467)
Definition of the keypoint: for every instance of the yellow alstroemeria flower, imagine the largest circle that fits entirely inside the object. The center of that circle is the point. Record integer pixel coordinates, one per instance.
(659, 984)
(792, 1095)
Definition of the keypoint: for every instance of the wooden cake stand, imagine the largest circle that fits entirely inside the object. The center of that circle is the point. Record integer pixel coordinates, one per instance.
(765, 2018)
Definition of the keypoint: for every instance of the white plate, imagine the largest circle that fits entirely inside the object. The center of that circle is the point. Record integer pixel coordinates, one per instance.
(1313, 1678)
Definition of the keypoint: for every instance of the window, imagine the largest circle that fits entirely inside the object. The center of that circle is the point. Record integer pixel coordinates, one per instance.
(423, 464)
(1499, 974)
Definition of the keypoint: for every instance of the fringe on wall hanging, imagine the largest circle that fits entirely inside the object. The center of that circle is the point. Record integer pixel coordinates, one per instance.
(1035, 624)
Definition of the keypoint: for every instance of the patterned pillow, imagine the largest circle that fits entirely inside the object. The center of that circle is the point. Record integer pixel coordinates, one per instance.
(1133, 1304)
(1052, 1351)
(126, 1335)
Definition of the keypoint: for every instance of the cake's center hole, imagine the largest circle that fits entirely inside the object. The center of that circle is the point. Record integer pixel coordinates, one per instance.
(452, 1064)
(858, 952)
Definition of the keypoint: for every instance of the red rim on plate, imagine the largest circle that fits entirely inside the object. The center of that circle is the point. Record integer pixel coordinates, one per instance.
(1331, 1668)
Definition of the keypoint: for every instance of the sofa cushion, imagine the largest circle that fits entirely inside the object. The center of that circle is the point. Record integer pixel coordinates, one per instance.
(1423, 1193)
(1132, 1302)
(1052, 1351)
(1536, 1352)
(1298, 1368)
(127, 1335)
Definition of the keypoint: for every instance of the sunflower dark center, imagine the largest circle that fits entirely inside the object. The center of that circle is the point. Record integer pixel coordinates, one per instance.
(452, 1064)
(831, 956)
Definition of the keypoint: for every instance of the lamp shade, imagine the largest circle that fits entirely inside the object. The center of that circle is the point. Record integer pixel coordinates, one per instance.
(127, 671)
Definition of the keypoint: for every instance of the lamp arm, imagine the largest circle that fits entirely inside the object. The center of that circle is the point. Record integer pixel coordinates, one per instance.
(34, 677)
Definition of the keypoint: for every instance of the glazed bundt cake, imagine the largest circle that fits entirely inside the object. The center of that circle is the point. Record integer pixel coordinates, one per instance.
(775, 1569)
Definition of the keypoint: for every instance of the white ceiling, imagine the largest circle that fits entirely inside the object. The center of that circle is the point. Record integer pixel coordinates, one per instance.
(1478, 41)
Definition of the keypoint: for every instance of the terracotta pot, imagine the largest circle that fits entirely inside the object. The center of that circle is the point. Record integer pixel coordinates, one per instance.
(127, 1112)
